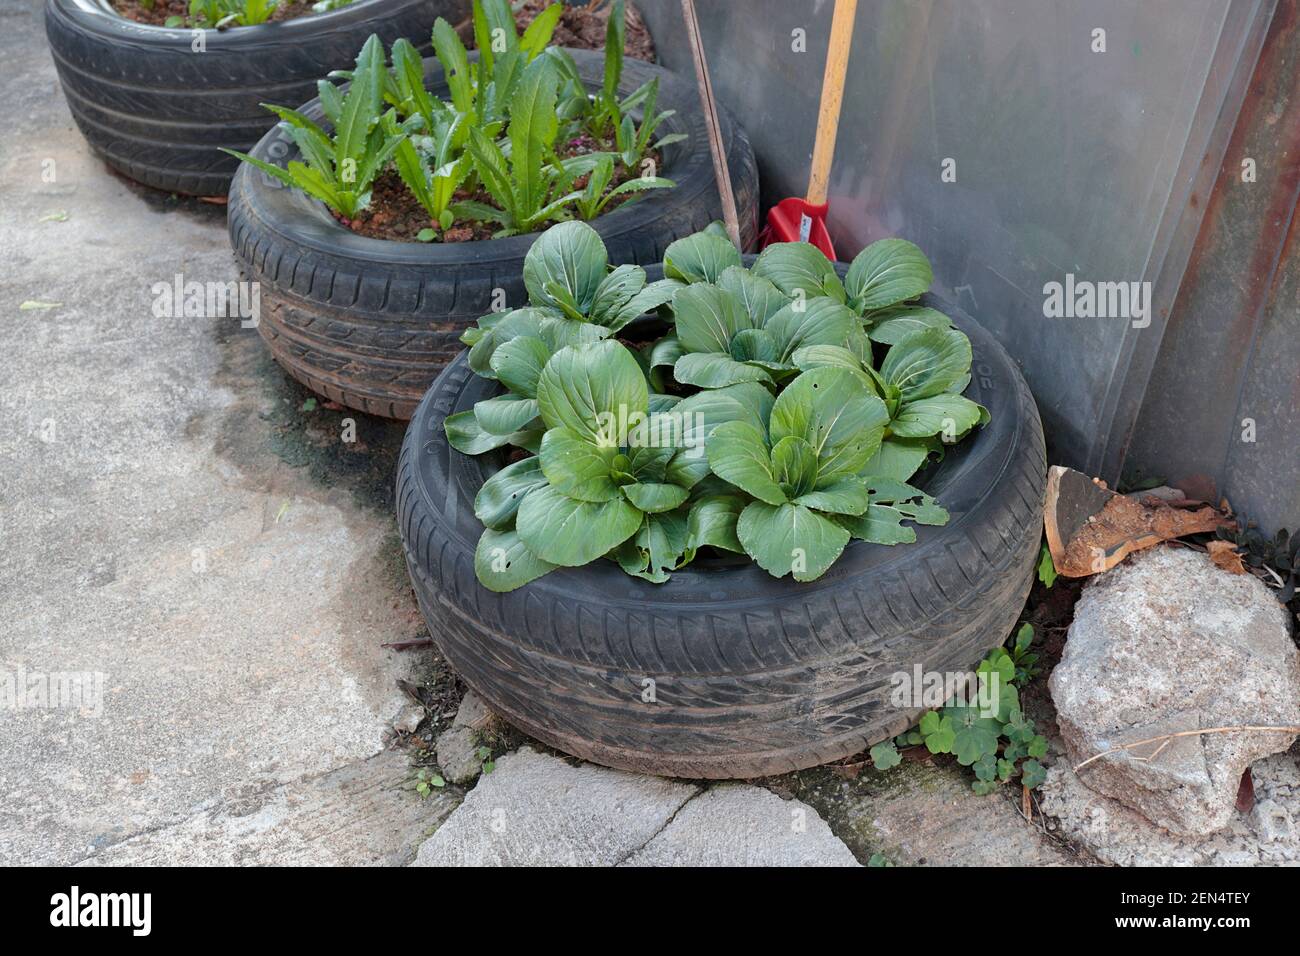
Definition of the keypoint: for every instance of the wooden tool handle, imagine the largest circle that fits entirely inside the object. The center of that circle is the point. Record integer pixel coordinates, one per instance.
(828, 117)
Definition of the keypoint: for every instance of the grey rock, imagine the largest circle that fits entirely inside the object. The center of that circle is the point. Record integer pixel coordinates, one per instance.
(458, 754)
(538, 810)
(1115, 834)
(1164, 643)
(408, 719)
(1274, 822)
(458, 745)
(739, 825)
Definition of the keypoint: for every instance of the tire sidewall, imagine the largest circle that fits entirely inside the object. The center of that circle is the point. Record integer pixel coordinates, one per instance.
(91, 17)
(158, 103)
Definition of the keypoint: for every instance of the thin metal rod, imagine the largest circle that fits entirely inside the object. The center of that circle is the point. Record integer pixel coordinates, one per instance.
(720, 172)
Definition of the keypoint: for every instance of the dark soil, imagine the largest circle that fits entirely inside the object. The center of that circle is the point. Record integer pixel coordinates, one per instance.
(583, 27)
(395, 215)
(162, 9)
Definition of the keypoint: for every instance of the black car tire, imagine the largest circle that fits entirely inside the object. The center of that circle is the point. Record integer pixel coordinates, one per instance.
(751, 675)
(157, 110)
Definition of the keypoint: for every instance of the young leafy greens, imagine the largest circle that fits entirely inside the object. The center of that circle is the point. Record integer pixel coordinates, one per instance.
(219, 14)
(500, 149)
(759, 424)
(340, 168)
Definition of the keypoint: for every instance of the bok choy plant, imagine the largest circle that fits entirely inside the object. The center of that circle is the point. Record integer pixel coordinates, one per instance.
(758, 425)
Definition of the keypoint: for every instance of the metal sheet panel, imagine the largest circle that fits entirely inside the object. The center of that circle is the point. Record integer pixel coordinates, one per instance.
(1068, 161)
(1224, 398)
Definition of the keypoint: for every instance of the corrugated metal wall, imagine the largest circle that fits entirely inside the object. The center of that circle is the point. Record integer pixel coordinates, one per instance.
(1068, 152)
(1224, 397)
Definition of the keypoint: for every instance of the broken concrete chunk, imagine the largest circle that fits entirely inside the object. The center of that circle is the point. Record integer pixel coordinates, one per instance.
(474, 714)
(538, 810)
(740, 825)
(1168, 643)
(458, 756)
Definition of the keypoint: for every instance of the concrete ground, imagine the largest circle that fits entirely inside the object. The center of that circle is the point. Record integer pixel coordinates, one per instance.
(181, 522)
(171, 519)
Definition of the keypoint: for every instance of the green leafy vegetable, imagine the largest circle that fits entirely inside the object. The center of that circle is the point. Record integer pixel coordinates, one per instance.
(340, 169)
(504, 132)
(776, 437)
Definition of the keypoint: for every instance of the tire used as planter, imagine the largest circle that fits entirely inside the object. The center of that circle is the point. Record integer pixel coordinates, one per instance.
(726, 672)
(157, 110)
(369, 323)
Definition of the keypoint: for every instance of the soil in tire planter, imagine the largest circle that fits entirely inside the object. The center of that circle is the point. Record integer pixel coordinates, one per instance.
(394, 214)
(162, 10)
(583, 26)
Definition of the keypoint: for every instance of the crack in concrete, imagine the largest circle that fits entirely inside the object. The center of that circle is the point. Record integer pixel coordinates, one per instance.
(699, 791)
(257, 793)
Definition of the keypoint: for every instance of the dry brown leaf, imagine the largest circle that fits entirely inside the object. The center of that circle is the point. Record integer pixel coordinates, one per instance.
(1224, 554)
(1091, 529)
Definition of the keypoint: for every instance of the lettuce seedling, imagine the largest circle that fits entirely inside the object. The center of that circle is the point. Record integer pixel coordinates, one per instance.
(482, 91)
(527, 190)
(595, 196)
(518, 85)
(633, 139)
(608, 116)
(433, 173)
(340, 168)
(528, 185)
(215, 14)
